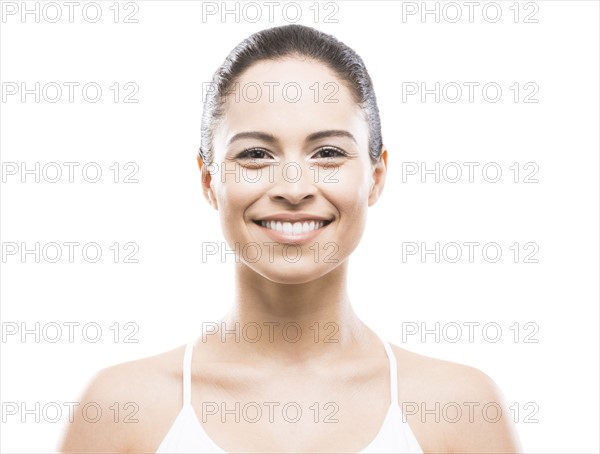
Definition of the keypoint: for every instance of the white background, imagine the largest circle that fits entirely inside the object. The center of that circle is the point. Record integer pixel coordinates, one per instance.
(168, 54)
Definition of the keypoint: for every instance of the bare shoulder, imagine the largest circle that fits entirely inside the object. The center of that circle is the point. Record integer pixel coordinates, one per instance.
(453, 407)
(127, 405)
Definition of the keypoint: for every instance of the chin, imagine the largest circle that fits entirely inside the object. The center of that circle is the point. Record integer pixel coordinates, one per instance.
(282, 272)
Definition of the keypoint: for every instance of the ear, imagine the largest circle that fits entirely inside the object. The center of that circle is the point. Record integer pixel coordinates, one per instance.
(378, 177)
(207, 189)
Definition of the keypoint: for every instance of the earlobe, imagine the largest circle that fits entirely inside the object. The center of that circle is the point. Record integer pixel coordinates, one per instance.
(206, 178)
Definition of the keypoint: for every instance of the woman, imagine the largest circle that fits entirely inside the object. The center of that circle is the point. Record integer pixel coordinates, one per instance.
(291, 158)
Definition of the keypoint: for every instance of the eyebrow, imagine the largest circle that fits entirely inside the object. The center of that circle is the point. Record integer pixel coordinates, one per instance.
(253, 135)
(330, 133)
(269, 138)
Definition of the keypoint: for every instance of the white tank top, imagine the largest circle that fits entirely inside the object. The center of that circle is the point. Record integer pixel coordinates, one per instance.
(187, 435)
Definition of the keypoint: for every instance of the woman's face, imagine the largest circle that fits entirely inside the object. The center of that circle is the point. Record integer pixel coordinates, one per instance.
(292, 178)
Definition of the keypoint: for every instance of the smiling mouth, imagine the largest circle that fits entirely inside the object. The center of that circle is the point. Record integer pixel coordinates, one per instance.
(293, 228)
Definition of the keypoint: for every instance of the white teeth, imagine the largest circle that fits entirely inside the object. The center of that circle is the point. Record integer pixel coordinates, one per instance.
(289, 228)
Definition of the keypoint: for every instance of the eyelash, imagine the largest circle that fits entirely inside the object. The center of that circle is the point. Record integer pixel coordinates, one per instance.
(244, 154)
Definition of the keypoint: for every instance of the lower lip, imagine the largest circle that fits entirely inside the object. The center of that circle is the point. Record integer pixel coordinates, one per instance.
(290, 238)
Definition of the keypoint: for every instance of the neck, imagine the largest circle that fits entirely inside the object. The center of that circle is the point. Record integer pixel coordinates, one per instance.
(292, 322)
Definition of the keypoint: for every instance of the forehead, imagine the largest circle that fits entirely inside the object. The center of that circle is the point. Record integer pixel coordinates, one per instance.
(291, 98)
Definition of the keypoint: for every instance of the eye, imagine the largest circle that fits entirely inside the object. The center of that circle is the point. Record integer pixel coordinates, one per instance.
(330, 152)
(253, 154)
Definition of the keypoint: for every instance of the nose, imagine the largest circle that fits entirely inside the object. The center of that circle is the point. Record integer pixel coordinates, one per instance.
(292, 183)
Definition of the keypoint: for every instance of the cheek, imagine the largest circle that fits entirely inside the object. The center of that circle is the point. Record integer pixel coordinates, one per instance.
(352, 189)
(235, 195)
(350, 195)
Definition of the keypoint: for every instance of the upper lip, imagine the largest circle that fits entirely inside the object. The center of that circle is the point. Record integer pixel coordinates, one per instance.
(293, 217)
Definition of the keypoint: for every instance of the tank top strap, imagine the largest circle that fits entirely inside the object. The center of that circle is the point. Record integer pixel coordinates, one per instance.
(393, 373)
(187, 374)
